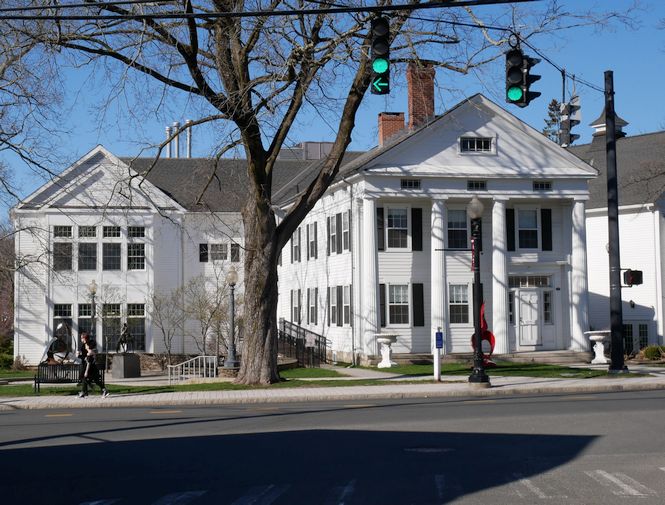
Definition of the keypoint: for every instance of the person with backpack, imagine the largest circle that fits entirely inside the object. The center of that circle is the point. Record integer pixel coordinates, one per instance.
(91, 373)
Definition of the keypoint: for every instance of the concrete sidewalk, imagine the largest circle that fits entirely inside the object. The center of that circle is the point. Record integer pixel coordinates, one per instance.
(450, 386)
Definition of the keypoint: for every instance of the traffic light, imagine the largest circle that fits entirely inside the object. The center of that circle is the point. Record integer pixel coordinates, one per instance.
(632, 277)
(380, 84)
(570, 117)
(519, 78)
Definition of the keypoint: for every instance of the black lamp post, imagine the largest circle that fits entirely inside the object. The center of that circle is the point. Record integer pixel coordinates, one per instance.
(231, 360)
(475, 211)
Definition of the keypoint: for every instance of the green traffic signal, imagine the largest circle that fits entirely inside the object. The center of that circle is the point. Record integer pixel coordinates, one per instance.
(515, 93)
(379, 65)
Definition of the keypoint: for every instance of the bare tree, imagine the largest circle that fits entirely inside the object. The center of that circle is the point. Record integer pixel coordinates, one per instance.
(6, 283)
(167, 312)
(205, 309)
(256, 75)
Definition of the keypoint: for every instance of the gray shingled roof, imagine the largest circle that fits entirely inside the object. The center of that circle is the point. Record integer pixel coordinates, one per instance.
(183, 179)
(640, 168)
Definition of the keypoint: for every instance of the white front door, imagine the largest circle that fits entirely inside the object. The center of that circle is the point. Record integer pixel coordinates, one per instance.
(529, 320)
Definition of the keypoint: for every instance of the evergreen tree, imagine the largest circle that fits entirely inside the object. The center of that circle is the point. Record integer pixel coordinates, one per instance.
(552, 123)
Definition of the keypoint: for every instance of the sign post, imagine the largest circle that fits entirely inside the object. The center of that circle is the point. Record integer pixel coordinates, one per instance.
(437, 355)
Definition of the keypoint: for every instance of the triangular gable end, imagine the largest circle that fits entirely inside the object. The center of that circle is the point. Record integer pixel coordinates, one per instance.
(519, 150)
(99, 180)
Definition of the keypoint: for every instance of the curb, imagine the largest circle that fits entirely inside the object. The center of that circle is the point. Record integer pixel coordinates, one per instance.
(308, 395)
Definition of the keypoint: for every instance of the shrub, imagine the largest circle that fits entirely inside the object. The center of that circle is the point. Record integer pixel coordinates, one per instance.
(654, 352)
(6, 361)
(19, 363)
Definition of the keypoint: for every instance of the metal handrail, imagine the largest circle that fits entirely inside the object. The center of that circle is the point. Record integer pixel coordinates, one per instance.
(198, 367)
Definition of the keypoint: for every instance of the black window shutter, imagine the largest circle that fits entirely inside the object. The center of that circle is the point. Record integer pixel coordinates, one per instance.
(316, 243)
(291, 318)
(510, 229)
(351, 305)
(299, 245)
(203, 253)
(416, 229)
(340, 306)
(328, 236)
(380, 236)
(418, 305)
(350, 230)
(329, 293)
(307, 308)
(546, 226)
(382, 304)
(299, 307)
(338, 217)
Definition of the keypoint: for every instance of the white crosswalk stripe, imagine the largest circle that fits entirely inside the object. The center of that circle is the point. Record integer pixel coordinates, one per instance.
(527, 483)
(261, 495)
(179, 498)
(620, 484)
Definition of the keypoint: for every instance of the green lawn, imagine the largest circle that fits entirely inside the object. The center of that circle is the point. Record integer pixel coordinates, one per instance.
(308, 373)
(24, 374)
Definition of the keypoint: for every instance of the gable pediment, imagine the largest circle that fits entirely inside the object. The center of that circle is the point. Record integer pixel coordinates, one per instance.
(99, 180)
(517, 149)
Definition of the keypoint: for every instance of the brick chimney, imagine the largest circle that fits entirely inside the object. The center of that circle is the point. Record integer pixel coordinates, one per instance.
(390, 123)
(420, 80)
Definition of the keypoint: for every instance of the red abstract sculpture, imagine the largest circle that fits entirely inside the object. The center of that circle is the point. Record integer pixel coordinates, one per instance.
(486, 335)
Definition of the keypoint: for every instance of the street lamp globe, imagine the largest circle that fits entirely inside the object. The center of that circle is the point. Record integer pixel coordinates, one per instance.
(475, 208)
(232, 277)
(92, 287)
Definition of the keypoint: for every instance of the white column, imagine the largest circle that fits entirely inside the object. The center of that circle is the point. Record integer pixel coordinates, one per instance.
(369, 276)
(578, 289)
(438, 272)
(499, 279)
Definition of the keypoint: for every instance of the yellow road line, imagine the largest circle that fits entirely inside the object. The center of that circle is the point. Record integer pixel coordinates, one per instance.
(59, 415)
(165, 411)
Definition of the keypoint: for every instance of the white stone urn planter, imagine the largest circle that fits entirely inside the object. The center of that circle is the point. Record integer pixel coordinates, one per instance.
(598, 339)
(385, 341)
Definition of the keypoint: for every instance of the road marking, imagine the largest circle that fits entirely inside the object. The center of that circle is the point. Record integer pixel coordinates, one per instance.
(359, 405)
(261, 495)
(527, 483)
(428, 450)
(179, 498)
(165, 411)
(59, 415)
(627, 486)
(102, 502)
(476, 402)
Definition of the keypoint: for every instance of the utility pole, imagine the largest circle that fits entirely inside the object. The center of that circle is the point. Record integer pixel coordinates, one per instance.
(616, 311)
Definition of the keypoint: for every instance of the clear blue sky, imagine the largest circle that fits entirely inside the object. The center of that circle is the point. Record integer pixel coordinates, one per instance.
(635, 55)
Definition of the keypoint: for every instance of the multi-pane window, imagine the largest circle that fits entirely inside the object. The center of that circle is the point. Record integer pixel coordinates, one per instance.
(85, 318)
(136, 231)
(62, 231)
(295, 305)
(111, 232)
(628, 347)
(643, 334)
(459, 303)
(135, 256)
(346, 304)
(547, 307)
(398, 304)
(346, 237)
(62, 256)
(529, 281)
(312, 245)
(511, 307)
(295, 246)
(527, 223)
(110, 325)
(475, 145)
(476, 185)
(542, 185)
(136, 325)
(332, 297)
(111, 256)
(87, 256)
(235, 253)
(218, 252)
(312, 312)
(332, 234)
(62, 327)
(457, 229)
(398, 230)
(410, 183)
(87, 231)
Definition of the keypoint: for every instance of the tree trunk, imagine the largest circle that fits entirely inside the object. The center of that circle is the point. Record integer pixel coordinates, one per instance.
(259, 354)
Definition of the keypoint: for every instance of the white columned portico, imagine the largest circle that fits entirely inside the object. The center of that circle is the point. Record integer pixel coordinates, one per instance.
(369, 277)
(499, 278)
(438, 272)
(579, 290)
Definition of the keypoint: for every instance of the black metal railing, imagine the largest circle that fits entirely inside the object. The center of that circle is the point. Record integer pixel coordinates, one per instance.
(307, 347)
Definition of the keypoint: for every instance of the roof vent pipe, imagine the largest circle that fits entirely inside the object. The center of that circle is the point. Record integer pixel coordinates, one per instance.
(176, 141)
(188, 125)
(168, 142)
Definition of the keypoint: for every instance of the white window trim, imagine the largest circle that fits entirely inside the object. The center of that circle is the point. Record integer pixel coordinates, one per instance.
(539, 227)
(346, 214)
(493, 151)
(313, 241)
(346, 303)
(408, 227)
(409, 303)
(469, 304)
(311, 295)
(468, 228)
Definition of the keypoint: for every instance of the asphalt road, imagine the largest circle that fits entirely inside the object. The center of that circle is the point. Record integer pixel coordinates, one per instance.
(593, 449)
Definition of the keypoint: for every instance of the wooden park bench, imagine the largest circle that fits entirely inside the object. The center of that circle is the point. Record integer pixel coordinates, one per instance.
(61, 373)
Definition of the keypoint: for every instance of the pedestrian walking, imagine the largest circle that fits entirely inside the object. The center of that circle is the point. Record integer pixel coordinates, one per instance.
(91, 373)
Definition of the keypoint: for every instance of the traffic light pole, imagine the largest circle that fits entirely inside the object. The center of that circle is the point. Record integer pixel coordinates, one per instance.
(616, 311)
